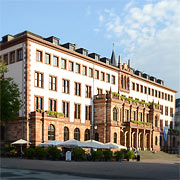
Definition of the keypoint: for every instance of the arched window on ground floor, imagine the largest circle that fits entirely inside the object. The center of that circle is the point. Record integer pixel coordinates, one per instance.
(77, 134)
(87, 135)
(66, 133)
(51, 132)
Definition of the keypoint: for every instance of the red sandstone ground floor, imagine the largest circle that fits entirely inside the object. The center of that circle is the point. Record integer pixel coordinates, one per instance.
(42, 128)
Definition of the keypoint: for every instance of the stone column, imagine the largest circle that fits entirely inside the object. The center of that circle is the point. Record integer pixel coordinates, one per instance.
(137, 137)
(130, 138)
(119, 136)
(150, 134)
(144, 139)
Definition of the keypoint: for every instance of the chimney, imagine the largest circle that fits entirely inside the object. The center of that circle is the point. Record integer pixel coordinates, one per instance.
(129, 65)
(119, 62)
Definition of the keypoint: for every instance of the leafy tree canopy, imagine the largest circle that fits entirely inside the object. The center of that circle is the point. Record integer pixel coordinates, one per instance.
(10, 97)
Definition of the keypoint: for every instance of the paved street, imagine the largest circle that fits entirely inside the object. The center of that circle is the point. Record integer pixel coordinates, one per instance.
(13, 168)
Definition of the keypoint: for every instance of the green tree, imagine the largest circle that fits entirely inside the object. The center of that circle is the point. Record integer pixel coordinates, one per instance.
(10, 97)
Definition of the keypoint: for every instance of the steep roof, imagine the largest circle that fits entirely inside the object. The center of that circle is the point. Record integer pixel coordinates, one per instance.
(113, 58)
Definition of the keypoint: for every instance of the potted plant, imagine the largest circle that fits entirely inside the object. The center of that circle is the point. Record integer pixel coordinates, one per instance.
(119, 155)
(107, 155)
(130, 155)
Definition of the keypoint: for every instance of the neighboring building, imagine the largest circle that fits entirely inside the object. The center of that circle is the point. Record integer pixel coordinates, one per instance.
(177, 121)
(177, 115)
(99, 97)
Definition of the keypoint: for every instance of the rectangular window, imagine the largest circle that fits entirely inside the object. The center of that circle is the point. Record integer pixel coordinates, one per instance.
(96, 75)
(102, 76)
(99, 91)
(38, 79)
(171, 98)
(77, 89)
(65, 108)
(137, 87)
(127, 115)
(88, 112)
(88, 91)
(159, 94)
(141, 88)
(152, 92)
(63, 63)
(108, 78)
(52, 105)
(56, 61)
(171, 112)
(6, 59)
(38, 103)
(165, 96)
(71, 66)
(48, 58)
(84, 71)
(12, 57)
(78, 68)
(155, 93)
(141, 116)
(171, 125)
(113, 80)
(149, 91)
(145, 90)
(168, 97)
(133, 86)
(122, 84)
(65, 86)
(147, 117)
(166, 123)
(166, 110)
(19, 54)
(162, 95)
(134, 114)
(52, 83)
(77, 111)
(90, 72)
(39, 56)
(161, 108)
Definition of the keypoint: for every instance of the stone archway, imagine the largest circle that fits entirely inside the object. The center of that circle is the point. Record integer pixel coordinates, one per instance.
(148, 141)
(133, 141)
(126, 136)
(140, 140)
(122, 138)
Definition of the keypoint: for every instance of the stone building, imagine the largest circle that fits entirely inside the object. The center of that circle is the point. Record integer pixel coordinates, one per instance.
(100, 98)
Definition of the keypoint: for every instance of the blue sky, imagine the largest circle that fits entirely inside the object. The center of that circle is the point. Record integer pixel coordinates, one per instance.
(146, 31)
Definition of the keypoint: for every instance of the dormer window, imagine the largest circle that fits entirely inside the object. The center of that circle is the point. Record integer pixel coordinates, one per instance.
(71, 48)
(85, 53)
(96, 57)
(56, 42)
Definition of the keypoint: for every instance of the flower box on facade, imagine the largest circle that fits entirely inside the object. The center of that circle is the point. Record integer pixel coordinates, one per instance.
(35, 113)
(140, 125)
(115, 97)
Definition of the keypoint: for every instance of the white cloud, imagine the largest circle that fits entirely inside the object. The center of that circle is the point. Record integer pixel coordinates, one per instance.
(128, 5)
(151, 34)
(101, 18)
(88, 12)
(96, 30)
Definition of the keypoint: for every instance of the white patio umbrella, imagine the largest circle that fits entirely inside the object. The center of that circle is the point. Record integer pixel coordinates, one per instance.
(21, 142)
(113, 146)
(72, 143)
(51, 143)
(94, 144)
